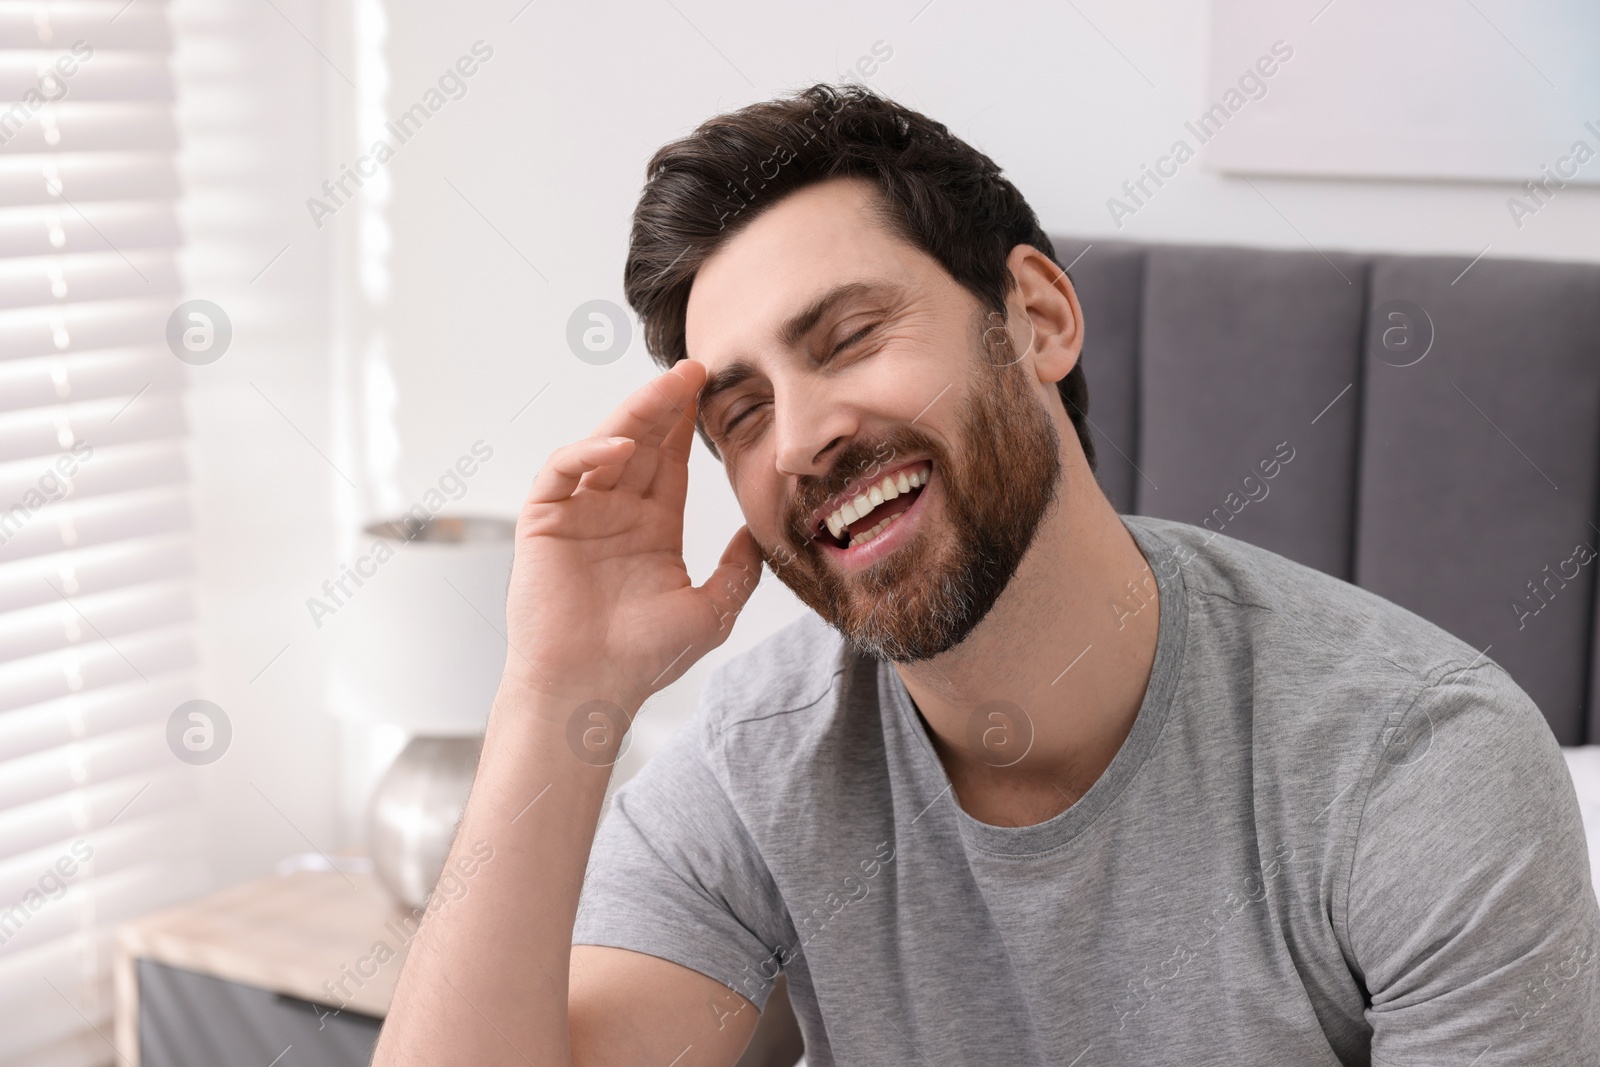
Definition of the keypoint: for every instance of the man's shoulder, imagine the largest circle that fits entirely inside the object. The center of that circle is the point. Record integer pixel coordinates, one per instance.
(788, 678)
(1301, 616)
(1345, 696)
(792, 720)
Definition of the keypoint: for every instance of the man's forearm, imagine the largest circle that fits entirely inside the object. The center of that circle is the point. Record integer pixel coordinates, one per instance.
(486, 981)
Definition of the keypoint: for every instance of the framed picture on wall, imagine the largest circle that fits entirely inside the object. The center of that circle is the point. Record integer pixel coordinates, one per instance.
(1477, 90)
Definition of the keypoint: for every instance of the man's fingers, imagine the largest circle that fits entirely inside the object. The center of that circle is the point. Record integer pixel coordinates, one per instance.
(650, 411)
(668, 478)
(680, 437)
(643, 421)
(606, 477)
(567, 466)
(734, 581)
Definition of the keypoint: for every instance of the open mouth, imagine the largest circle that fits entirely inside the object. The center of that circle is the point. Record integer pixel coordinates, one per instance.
(856, 520)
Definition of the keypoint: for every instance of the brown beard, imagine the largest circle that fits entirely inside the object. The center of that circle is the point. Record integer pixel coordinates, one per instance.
(926, 597)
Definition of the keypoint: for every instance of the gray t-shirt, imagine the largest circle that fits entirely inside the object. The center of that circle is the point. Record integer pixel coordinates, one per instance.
(1334, 835)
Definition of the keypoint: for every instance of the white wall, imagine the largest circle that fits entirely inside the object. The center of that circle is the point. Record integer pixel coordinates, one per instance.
(252, 111)
(536, 170)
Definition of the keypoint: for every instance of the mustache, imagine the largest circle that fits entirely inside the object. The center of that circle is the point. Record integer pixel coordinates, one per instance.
(859, 464)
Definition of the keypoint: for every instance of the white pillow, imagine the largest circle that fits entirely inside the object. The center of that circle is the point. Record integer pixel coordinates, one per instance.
(1584, 763)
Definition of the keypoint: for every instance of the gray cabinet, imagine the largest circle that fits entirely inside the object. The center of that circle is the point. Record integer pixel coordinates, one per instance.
(188, 1019)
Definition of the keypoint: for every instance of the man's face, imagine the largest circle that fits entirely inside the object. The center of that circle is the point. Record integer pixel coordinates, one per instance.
(888, 445)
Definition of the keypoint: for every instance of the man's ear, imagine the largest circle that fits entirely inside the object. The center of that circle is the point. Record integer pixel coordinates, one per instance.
(1049, 313)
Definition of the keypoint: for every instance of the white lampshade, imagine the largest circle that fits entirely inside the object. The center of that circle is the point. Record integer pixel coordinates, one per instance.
(419, 644)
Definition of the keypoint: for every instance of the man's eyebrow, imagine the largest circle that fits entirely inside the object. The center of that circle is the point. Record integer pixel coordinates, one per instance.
(733, 374)
(790, 334)
(805, 320)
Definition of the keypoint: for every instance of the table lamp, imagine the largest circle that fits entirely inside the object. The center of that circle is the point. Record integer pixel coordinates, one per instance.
(419, 645)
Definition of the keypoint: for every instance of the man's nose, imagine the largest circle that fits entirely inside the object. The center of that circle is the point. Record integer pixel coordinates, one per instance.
(809, 421)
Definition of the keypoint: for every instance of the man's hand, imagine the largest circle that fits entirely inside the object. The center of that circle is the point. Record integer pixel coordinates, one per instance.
(600, 608)
(600, 601)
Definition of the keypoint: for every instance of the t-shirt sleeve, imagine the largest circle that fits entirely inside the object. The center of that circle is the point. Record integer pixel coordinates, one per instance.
(1471, 912)
(675, 874)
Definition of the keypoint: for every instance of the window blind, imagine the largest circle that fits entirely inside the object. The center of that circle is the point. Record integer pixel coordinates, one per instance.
(96, 604)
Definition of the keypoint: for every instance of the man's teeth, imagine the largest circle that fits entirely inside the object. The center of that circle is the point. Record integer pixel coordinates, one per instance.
(875, 531)
(860, 507)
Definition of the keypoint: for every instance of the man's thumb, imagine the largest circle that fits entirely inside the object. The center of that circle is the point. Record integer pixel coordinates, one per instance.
(734, 581)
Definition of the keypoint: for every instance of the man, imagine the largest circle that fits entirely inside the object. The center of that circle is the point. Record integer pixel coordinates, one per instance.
(1038, 783)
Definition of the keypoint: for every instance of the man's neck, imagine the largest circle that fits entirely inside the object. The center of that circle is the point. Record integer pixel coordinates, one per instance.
(1028, 711)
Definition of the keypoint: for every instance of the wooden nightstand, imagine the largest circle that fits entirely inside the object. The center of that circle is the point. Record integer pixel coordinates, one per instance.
(307, 960)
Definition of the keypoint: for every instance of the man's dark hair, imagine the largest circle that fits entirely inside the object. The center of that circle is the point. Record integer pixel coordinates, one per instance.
(938, 192)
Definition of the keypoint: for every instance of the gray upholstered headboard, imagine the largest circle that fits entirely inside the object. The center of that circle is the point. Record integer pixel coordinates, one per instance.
(1444, 417)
